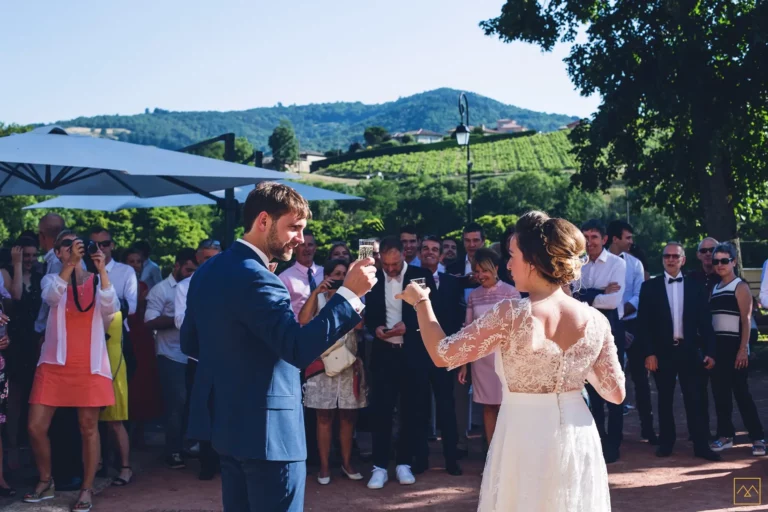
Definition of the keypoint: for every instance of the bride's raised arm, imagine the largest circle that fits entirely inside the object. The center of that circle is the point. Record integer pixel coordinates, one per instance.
(606, 375)
(473, 342)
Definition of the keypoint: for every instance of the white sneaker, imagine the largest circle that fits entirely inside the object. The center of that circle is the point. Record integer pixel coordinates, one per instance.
(378, 478)
(404, 475)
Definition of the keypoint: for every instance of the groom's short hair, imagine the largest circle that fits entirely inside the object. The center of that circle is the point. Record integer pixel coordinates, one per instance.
(276, 199)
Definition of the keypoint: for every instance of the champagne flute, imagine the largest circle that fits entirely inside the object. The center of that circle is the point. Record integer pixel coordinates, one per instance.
(365, 248)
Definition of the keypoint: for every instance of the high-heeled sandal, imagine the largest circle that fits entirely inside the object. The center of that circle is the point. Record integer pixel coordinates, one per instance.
(122, 482)
(48, 493)
(81, 505)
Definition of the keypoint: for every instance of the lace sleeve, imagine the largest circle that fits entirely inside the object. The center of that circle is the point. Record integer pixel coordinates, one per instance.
(479, 338)
(606, 375)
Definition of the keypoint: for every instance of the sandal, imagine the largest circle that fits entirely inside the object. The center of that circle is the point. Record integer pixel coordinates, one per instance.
(758, 448)
(82, 505)
(122, 482)
(7, 492)
(46, 493)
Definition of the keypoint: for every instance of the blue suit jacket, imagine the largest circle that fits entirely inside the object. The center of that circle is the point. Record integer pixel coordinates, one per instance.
(239, 324)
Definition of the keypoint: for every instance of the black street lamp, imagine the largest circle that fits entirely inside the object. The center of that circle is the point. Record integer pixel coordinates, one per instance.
(462, 137)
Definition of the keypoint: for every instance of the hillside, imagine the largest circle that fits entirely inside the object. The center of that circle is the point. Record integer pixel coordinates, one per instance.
(546, 151)
(318, 126)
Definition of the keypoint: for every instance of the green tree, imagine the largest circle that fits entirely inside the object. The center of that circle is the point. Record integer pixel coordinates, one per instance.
(355, 147)
(684, 114)
(285, 147)
(374, 135)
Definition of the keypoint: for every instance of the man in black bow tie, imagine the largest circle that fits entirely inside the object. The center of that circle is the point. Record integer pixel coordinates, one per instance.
(674, 326)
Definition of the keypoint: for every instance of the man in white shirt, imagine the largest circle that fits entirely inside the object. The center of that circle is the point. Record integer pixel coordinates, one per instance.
(764, 286)
(171, 362)
(304, 275)
(447, 303)
(674, 327)
(602, 281)
(621, 238)
(150, 271)
(206, 250)
(122, 276)
(48, 228)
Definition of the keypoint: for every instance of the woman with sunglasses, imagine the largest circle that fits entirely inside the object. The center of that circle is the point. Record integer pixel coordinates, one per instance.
(74, 369)
(731, 304)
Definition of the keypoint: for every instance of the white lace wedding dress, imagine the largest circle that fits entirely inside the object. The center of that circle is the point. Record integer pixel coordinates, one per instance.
(546, 454)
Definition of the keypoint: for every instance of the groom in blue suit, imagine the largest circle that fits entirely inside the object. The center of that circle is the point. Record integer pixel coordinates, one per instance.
(239, 324)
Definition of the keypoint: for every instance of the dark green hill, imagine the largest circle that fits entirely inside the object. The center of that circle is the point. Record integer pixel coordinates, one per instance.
(318, 126)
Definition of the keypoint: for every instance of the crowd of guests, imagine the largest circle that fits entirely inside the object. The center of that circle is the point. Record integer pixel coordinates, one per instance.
(89, 341)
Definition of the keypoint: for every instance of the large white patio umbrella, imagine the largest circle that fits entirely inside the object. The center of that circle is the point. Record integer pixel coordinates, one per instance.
(114, 203)
(49, 161)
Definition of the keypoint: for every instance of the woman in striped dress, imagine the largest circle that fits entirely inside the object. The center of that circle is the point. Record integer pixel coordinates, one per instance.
(486, 386)
(731, 305)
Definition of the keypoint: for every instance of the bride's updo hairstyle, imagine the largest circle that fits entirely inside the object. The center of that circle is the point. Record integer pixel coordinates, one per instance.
(553, 246)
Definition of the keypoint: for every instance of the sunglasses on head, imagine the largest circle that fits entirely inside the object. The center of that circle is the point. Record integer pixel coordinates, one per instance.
(722, 261)
(671, 256)
(210, 244)
(705, 250)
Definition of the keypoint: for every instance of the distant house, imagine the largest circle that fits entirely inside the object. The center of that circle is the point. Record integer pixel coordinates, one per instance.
(306, 158)
(421, 136)
(508, 126)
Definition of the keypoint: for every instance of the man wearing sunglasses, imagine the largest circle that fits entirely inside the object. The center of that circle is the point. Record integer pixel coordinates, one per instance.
(674, 328)
(122, 276)
(707, 275)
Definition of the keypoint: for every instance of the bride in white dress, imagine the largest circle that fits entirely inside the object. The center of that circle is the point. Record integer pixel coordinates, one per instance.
(546, 454)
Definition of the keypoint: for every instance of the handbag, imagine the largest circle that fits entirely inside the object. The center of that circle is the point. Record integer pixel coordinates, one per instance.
(337, 359)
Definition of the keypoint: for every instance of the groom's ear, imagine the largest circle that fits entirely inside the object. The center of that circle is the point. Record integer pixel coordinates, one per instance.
(261, 222)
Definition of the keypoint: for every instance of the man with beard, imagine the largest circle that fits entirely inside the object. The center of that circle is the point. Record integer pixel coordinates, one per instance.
(171, 362)
(240, 325)
(450, 253)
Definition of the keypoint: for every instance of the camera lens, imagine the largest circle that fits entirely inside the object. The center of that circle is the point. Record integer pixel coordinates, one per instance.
(93, 248)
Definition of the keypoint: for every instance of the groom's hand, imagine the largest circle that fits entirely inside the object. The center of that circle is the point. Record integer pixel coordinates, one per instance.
(361, 277)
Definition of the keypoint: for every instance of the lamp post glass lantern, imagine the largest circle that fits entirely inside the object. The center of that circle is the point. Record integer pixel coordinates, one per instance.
(462, 137)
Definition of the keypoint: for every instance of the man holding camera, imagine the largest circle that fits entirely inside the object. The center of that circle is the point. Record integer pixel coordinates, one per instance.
(122, 277)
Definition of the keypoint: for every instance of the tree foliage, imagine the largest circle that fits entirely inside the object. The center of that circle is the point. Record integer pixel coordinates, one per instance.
(684, 116)
(285, 147)
(374, 135)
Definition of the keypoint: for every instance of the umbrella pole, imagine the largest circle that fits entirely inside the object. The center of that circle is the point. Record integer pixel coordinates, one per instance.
(230, 204)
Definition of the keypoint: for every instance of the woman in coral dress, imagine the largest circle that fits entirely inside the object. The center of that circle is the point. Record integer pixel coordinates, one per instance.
(74, 369)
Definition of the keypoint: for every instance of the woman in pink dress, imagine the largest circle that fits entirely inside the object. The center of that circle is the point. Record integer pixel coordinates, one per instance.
(486, 386)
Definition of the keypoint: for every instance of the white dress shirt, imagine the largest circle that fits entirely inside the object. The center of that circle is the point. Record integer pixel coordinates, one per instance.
(123, 278)
(180, 302)
(676, 299)
(150, 274)
(607, 268)
(394, 286)
(764, 287)
(635, 277)
(161, 302)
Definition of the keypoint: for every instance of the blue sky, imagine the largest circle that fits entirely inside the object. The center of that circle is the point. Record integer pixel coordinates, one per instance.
(60, 60)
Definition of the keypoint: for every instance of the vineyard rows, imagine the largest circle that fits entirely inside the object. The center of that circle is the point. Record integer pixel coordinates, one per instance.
(548, 151)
